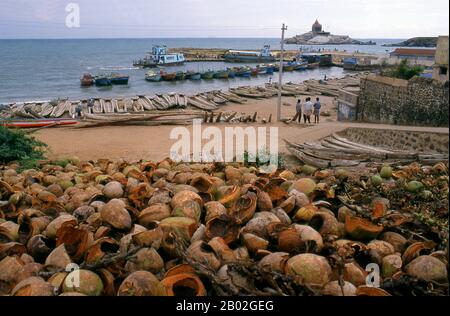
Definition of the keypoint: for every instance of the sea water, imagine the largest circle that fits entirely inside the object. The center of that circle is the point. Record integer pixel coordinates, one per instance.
(48, 69)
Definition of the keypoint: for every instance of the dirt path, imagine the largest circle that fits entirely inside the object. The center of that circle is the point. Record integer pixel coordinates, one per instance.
(154, 143)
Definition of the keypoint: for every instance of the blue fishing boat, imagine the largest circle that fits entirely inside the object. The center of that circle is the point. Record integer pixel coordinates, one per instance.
(269, 70)
(102, 81)
(119, 79)
(192, 75)
(153, 76)
(244, 72)
(231, 73)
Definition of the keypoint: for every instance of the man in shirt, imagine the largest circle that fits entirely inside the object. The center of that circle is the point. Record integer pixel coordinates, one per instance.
(298, 111)
(307, 110)
(317, 107)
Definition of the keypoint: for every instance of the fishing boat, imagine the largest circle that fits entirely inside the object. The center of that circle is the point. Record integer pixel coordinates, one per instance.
(180, 75)
(262, 56)
(299, 66)
(153, 76)
(261, 70)
(289, 66)
(275, 67)
(102, 81)
(231, 73)
(312, 66)
(168, 76)
(192, 75)
(36, 123)
(208, 74)
(159, 57)
(87, 80)
(119, 79)
(222, 74)
(324, 60)
(244, 72)
(269, 70)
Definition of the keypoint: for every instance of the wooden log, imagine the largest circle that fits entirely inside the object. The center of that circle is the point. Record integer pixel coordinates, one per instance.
(232, 116)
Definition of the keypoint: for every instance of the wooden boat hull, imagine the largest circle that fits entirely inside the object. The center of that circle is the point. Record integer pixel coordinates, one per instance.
(232, 58)
(155, 78)
(231, 74)
(208, 75)
(120, 80)
(246, 73)
(102, 82)
(194, 76)
(221, 75)
(37, 123)
(180, 76)
(169, 77)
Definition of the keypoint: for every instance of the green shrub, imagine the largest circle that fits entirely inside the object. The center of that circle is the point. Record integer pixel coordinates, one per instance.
(16, 145)
(404, 71)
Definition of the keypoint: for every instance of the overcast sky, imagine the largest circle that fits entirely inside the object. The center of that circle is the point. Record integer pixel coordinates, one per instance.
(223, 18)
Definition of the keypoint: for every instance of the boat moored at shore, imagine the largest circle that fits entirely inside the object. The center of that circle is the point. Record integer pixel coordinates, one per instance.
(160, 57)
(264, 56)
(87, 80)
(119, 79)
(102, 81)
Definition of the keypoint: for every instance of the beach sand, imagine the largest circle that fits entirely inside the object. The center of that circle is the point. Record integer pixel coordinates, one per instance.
(133, 143)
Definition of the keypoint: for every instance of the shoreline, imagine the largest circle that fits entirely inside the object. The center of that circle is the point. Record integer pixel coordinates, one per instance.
(345, 75)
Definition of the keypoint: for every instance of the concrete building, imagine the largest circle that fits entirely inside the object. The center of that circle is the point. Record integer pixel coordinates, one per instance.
(414, 56)
(440, 68)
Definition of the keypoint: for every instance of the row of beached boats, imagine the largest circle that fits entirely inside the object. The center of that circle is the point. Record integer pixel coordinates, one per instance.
(229, 73)
(61, 111)
(104, 80)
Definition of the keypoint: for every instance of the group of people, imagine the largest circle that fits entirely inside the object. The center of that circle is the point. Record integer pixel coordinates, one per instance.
(307, 109)
(79, 108)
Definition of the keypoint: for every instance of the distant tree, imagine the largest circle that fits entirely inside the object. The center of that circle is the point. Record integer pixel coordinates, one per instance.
(404, 71)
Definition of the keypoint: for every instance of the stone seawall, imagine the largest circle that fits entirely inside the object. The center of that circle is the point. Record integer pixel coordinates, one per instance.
(419, 101)
(399, 140)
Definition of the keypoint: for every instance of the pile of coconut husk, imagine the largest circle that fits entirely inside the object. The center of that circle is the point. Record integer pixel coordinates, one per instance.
(337, 151)
(171, 228)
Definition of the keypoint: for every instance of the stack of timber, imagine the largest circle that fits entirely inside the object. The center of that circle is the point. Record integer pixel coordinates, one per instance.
(336, 151)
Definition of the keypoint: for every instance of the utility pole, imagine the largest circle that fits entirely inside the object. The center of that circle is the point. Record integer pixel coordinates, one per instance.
(280, 81)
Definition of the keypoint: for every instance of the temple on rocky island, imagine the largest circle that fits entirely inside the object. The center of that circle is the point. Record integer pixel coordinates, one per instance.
(317, 36)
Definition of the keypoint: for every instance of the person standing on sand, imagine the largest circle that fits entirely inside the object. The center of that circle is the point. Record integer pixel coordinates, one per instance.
(317, 107)
(90, 106)
(78, 110)
(307, 110)
(298, 111)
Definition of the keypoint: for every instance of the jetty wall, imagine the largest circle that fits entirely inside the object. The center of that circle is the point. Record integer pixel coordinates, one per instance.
(398, 139)
(419, 101)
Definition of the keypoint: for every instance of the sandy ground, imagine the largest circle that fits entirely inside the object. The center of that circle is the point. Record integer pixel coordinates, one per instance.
(153, 142)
